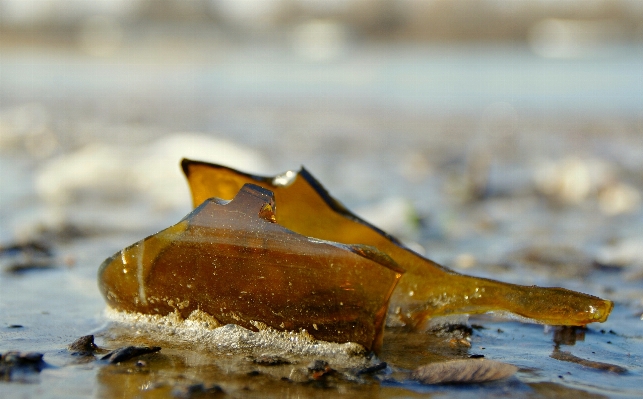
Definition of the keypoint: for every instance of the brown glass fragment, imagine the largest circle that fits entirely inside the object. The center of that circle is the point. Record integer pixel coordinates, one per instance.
(427, 289)
(232, 261)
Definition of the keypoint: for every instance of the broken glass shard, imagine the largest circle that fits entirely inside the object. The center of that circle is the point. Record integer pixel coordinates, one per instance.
(232, 260)
(427, 289)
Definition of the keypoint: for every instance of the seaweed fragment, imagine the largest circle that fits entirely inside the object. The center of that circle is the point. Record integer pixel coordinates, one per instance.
(374, 369)
(427, 289)
(128, 352)
(231, 260)
(568, 357)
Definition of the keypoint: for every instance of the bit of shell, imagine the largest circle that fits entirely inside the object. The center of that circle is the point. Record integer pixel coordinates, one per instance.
(463, 371)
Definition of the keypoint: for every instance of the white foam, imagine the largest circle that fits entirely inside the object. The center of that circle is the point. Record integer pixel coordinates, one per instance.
(201, 331)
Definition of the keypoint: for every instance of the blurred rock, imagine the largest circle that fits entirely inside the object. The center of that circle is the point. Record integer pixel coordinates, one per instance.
(95, 172)
(320, 40)
(625, 253)
(618, 198)
(465, 261)
(575, 38)
(105, 173)
(100, 35)
(14, 364)
(572, 180)
(248, 14)
(157, 172)
(102, 189)
(27, 128)
(197, 390)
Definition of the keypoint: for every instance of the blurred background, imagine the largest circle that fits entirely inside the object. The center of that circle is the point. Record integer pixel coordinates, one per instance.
(410, 107)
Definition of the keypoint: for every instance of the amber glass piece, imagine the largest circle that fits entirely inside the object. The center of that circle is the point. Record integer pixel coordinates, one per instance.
(231, 260)
(427, 289)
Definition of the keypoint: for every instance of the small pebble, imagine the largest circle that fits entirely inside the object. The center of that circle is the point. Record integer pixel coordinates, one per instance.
(24, 361)
(83, 346)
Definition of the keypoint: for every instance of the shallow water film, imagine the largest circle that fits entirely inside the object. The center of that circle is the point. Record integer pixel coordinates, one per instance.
(519, 161)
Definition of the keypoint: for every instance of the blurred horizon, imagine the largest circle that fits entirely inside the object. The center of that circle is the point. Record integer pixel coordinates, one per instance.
(462, 56)
(584, 24)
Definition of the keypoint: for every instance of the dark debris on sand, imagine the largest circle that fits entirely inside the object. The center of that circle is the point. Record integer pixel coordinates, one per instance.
(26, 362)
(83, 346)
(568, 357)
(18, 258)
(270, 360)
(196, 391)
(128, 352)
